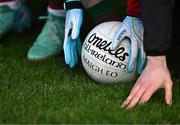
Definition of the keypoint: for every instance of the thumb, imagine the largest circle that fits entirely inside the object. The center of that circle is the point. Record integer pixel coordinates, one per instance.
(121, 34)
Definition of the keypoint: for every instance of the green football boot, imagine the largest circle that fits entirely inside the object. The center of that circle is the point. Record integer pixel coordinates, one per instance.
(13, 20)
(50, 40)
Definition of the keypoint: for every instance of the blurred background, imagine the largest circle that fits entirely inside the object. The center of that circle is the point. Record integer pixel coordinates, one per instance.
(39, 8)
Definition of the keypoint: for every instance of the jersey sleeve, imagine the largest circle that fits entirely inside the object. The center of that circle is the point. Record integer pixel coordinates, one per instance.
(133, 8)
(157, 20)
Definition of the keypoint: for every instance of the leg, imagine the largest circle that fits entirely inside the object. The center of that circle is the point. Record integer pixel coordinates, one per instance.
(50, 40)
(56, 8)
(13, 4)
(101, 10)
(14, 16)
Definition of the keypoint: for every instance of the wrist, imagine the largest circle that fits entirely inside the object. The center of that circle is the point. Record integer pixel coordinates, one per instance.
(130, 18)
(72, 4)
(157, 60)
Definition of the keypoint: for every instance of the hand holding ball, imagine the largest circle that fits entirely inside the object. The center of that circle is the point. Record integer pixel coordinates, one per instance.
(100, 62)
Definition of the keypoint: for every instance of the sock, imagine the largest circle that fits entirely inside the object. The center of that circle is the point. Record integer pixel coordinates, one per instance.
(104, 11)
(56, 8)
(133, 8)
(13, 4)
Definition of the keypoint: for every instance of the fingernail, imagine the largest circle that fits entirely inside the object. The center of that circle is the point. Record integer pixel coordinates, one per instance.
(123, 105)
(142, 102)
(169, 102)
(129, 108)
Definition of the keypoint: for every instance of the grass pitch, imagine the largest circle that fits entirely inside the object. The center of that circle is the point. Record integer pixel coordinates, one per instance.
(49, 92)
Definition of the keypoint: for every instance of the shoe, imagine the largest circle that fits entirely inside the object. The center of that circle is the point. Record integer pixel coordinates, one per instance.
(13, 20)
(50, 40)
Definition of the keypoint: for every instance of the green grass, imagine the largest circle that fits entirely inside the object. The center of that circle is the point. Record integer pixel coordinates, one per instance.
(49, 92)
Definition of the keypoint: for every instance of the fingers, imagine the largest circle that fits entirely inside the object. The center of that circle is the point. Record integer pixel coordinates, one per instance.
(71, 52)
(133, 55)
(131, 103)
(136, 98)
(131, 95)
(152, 89)
(141, 95)
(140, 91)
(77, 22)
(121, 34)
(148, 93)
(74, 56)
(75, 31)
(143, 59)
(79, 46)
(67, 50)
(66, 36)
(168, 92)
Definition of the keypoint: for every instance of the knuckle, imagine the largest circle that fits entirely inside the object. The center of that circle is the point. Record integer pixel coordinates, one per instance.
(171, 84)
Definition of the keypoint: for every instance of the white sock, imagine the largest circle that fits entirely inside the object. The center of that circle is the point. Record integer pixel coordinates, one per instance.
(14, 5)
(57, 12)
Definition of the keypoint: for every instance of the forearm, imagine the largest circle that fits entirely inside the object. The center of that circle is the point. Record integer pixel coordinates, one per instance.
(157, 61)
(157, 21)
(133, 8)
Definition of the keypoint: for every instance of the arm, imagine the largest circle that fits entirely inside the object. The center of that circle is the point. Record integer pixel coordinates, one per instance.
(157, 40)
(132, 28)
(154, 77)
(133, 8)
(158, 26)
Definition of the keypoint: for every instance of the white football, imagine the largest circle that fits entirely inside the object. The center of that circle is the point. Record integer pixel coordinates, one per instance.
(100, 62)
